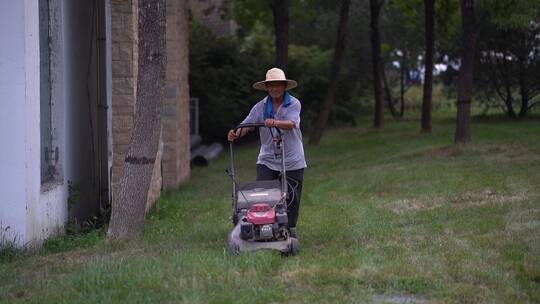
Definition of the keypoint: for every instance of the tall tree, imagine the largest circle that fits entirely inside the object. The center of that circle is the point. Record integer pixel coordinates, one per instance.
(500, 68)
(465, 79)
(429, 10)
(375, 9)
(409, 39)
(388, 90)
(322, 118)
(129, 203)
(509, 49)
(402, 88)
(280, 9)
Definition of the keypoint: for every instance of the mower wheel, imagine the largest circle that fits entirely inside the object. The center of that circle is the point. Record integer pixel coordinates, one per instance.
(294, 248)
(233, 248)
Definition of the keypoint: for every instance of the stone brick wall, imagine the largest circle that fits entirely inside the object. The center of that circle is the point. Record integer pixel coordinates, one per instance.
(175, 119)
(173, 159)
(157, 181)
(124, 80)
(124, 32)
(183, 152)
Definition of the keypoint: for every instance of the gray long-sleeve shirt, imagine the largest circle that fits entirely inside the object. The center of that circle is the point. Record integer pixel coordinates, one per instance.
(292, 139)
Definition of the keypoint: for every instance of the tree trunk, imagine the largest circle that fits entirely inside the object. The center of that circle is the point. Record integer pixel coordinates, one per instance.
(129, 203)
(388, 93)
(499, 67)
(403, 69)
(322, 118)
(509, 100)
(523, 90)
(280, 9)
(465, 81)
(375, 8)
(429, 6)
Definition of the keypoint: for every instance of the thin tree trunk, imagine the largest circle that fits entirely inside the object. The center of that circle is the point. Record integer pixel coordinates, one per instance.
(388, 93)
(509, 101)
(523, 90)
(502, 66)
(402, 85)
(129, 203)
(498, 68)
(280, 9)
(505, 74)
(322, 118)
(465, 81)
(375, 8)
(429, 6)
(534, 104)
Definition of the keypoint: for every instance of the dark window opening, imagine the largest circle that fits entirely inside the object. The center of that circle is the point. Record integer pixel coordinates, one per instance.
(49, 153)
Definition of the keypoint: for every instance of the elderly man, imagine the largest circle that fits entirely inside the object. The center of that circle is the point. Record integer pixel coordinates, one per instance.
(279, 110)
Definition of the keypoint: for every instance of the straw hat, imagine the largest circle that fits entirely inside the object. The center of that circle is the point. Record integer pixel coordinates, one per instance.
(275, 74)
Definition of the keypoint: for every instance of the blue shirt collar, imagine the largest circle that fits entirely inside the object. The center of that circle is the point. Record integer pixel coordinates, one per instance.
(269, 110)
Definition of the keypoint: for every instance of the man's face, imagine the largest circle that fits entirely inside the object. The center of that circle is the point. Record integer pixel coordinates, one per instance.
(276, 88)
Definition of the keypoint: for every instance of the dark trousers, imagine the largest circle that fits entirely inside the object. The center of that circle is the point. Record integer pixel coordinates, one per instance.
(295, 178)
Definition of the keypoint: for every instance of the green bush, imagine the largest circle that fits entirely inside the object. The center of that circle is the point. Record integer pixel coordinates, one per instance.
(221, 73)
(415, 94)
(309, 66)
(222, 70)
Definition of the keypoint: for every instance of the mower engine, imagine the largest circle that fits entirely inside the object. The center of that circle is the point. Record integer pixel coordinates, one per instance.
(264, 223)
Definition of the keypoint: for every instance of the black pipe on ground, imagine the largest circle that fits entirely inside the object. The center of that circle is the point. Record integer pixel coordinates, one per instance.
(201, 155)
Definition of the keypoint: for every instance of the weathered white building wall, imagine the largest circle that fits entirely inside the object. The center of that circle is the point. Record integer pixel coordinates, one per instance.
(15, 32)
(29, 210)
(47, 214)
(81, 76)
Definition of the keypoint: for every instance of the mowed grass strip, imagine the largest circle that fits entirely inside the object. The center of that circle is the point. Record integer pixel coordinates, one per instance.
(386, 216)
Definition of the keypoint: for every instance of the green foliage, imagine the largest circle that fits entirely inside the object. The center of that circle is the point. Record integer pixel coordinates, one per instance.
(514, 14)
(412, 11)
(447, 24)
(222, 70)
(508, 57)
(414, 96)
(407, 17)
(309, 65)
(9, 250)
(247, 13)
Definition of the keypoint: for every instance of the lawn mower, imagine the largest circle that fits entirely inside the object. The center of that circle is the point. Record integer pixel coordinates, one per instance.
(259, 208)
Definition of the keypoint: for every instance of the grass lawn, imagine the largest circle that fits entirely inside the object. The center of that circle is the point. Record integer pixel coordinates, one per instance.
(387, 216)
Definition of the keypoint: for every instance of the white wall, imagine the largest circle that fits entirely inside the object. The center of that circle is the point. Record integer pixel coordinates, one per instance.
(47, 213)
(29, 212)
(12, 119)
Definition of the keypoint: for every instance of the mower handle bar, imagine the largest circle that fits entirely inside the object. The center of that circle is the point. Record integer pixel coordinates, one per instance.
(232, 172)
(252, 125)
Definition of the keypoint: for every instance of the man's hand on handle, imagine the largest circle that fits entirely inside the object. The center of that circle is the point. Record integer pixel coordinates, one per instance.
(232, 135)
(269, 122)
(281, 124)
